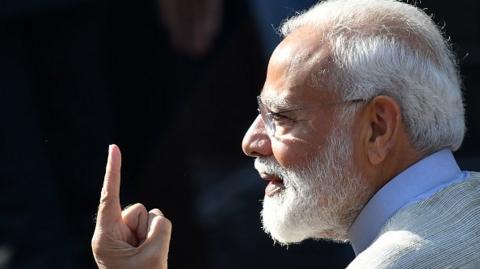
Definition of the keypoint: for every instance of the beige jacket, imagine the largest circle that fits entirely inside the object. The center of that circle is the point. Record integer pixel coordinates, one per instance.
(442, 231)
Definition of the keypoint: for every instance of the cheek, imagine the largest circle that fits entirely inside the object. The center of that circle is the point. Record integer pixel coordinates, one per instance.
(299, 148)
(292, 154)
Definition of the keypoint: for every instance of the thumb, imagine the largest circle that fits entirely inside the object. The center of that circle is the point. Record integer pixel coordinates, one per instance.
(158, 237)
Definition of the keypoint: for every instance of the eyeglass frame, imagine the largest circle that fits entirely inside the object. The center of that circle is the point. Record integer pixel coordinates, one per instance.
(267, 115)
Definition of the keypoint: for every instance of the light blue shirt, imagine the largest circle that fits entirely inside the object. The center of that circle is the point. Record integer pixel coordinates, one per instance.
(417, 182)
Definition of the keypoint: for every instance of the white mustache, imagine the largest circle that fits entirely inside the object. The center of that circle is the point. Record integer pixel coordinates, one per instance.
(268, 166)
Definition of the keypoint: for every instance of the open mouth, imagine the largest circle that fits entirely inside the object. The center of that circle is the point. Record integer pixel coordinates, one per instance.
(275, 184)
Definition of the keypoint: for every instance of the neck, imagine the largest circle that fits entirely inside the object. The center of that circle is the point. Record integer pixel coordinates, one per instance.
(400, 158)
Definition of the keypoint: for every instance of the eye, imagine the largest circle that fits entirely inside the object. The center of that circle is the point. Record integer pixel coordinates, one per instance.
(281, 118)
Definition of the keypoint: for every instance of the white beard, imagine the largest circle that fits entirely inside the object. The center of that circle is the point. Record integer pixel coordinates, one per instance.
(320, 200)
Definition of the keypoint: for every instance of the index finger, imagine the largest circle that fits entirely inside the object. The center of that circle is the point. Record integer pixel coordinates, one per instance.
(110, 209)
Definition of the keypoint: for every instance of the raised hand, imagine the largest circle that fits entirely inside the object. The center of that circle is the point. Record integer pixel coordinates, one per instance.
(132, 238)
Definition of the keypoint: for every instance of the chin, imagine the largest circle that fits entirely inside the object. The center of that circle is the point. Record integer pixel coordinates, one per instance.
(289, 220)
(285, 233)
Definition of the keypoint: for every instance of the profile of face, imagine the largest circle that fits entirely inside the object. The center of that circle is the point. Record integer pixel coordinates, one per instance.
(303, 145)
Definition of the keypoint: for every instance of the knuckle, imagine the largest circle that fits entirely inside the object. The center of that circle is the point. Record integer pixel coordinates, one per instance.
(106, 196)
(102, 208)
(156, 211)
(136, 206)
(141, 206)
(164, 224)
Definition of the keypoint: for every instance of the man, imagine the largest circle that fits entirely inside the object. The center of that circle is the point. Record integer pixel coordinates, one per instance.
(359, 115)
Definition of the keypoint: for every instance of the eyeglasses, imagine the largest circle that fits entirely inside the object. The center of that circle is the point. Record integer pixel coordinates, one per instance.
(272, 119)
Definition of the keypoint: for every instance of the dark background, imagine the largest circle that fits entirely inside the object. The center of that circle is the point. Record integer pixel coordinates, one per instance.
(78, 75)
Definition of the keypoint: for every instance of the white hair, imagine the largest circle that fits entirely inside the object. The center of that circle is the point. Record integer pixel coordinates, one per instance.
(386, 47)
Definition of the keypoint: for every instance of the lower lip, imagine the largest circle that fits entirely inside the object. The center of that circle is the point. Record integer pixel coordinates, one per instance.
(274, 187)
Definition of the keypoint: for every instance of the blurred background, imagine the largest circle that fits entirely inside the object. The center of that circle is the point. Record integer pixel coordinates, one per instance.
(173, 83)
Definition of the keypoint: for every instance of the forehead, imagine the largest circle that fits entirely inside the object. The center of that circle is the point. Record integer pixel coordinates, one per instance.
(296, 70)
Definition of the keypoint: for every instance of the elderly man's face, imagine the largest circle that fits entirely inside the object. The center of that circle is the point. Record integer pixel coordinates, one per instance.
(288, 86)
(314, 189)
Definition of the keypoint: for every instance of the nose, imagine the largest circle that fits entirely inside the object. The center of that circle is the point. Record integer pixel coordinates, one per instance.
(256, 142)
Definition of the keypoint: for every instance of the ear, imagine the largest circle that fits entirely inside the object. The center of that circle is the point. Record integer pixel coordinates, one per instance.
(384, 119)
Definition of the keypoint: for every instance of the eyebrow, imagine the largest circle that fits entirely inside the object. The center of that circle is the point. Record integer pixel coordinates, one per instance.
(276, 102)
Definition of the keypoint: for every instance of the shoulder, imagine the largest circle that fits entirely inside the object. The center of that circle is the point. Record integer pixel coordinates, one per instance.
(389, 250)
(407, 250)
(438, 232)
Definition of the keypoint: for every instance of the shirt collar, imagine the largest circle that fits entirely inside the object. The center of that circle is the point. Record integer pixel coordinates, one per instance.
(410, 185)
